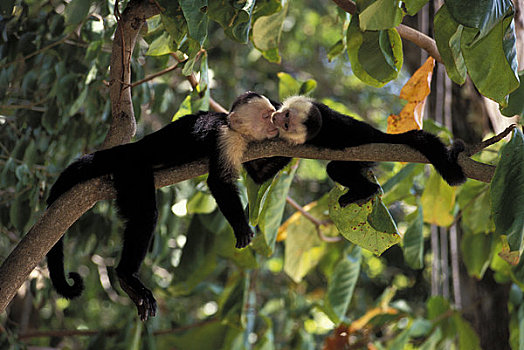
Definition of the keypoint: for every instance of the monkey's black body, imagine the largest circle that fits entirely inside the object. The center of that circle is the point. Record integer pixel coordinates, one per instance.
(338, 131)
(131, 166)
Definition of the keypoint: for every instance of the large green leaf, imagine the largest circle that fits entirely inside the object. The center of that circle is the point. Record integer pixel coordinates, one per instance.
(474, 202)
(414, 242)
(448, 34)
(516, 100)
(492, 60)
(233, 16)
(304, 249)
(266, 33)
(368, 225)
(174, 21)
(273, 206)
(198, 258)
(477, 251)
(342, 284)
(381, 14)
(413, 6)
(76, 11)
(483, 15)
(507, 196)
(196, 18)
(468, 339)
(376, 56)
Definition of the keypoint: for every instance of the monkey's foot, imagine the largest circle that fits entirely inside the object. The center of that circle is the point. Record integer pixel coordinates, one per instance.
(359, 197)
(244, 238)
(142, 297)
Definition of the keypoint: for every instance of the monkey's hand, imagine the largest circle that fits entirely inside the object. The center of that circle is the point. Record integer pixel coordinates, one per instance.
(243, 237)
(142, 297)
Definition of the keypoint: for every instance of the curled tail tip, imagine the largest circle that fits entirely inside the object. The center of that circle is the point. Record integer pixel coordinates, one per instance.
(70, 291)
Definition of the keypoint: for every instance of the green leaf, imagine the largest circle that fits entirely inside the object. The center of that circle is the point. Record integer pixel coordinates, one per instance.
(376, 57)
(414, 6)
(342, 284)
(483, 15)
(196, 18)
(516, 100)
(198, 259)
(507, 198)
(380, 15)
(162, 45)
(267, 31)
(414, 242)
(304, 249)
(76, 11)
(474, 201)
(468, 339)
(233, 16)
(201, 203)
(274, 203)
(174, 21)
(477, 251)
(287, 85)
(307, 87)
(336, 50)
(438, 201)
(184, 109)
(368, 225)
(79, 102)
(492, 60)
(255, 195)
(448, 34)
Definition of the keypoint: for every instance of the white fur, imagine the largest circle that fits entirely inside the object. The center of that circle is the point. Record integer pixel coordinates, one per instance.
(232, 145)
(299, 107)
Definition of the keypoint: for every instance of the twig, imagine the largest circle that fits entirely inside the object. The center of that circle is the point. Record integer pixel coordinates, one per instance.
(38, 51)
(153, 76)
(315, 222)
(473, 149)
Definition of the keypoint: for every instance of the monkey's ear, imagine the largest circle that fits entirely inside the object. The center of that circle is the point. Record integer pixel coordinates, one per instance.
(233, 120)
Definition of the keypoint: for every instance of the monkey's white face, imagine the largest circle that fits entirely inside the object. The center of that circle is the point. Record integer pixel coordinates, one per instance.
(253, 120)
(290, 118)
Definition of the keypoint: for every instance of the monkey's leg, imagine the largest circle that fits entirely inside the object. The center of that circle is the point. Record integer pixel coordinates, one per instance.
(137, 204)
(225, 192)
(263, 169)
(352, 175)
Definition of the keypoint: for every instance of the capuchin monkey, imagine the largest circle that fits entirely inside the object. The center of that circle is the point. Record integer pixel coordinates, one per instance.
(221, 138)
(301, 120)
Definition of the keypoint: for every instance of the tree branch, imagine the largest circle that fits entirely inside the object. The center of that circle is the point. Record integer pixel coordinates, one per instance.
(73, 204)
(123, 125)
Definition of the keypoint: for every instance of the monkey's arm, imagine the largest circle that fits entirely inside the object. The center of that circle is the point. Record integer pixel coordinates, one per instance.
(222, 185)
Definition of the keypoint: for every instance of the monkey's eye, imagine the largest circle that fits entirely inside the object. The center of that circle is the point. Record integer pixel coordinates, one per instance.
(286, 126)
(287, 115)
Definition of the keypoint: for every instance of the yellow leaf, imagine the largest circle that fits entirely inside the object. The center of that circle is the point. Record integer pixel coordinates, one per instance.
(438, 200)
(416, 90)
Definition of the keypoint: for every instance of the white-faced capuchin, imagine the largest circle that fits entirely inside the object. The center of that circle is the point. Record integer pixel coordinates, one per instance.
(301, 120)
(221, 138)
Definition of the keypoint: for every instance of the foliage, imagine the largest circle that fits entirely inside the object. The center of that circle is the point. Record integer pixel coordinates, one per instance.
(292, 288)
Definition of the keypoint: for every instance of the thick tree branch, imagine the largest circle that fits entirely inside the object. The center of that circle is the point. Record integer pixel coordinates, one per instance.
(123, 125)
(68, 208)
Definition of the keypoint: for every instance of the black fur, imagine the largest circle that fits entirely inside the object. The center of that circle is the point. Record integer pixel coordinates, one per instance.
(187, 139)
(338, 131)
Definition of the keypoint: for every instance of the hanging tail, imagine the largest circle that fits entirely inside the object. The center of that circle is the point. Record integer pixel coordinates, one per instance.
(83, 169)
(443, 159)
